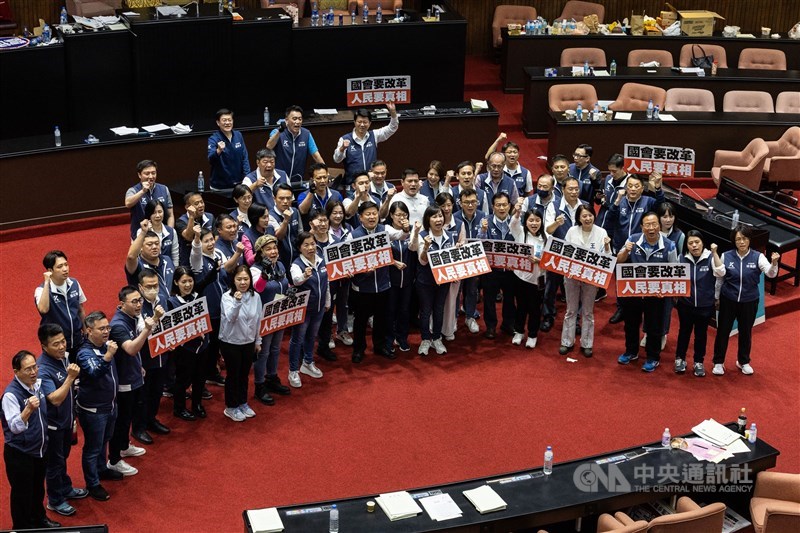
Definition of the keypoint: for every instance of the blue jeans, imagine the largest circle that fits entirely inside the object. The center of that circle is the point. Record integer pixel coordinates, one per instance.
(302, 340)
(59, 484)
(97, 431)
(267, 359)
(469, 287)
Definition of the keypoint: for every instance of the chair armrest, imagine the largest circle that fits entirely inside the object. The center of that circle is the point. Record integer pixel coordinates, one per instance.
(729, 157)
(778, 485)
(686, 504)
(773, 147)
(606, 522)
(784, 168)
(623, 518)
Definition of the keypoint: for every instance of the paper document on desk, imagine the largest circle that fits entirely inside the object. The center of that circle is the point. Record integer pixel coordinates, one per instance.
(441, 507)
(704, 450)
(601, 73)
(106, 20)
(155, 127)
(478, 105)
(621, 115)
(691, 70)
(738, 446)
(180, 129)
(398, 505)
(326, 111)
(265, 520)
(125, 130)
(667, 118)
(485, 499)
(716, 433)
(166, 11)
(89, 23)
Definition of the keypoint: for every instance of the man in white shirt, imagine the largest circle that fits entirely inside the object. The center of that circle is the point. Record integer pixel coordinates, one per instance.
(416, 203)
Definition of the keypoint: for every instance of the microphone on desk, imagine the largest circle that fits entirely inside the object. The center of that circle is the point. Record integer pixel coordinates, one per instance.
(697, 196)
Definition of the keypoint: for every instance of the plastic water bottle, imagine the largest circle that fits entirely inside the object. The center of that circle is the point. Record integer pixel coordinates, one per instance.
(438, 13)
(266, 116)
(656, 111)
(57, 135)
(735, 219)
(333, 520)
(650, 109)
(752, 437)
(665, 438)
(548, 461)
(220, 7)
(62, 19)
(353, 17)
(201, 182)
(46, 35)
(585, 68)
(613, 67)
(379, 14)
(563, 26)
(365, 15)
(741, 422)
(314, 15)
(331, 16)
(579, 113)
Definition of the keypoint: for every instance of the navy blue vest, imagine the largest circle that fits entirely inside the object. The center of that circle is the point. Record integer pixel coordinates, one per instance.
(473, 227)
(742, 276)
(425, 274)
(506, 185)
(158, 192)
(123, 329)
(53, 373)
(66, 313)
(265, 195)
(703, 281)
(562, 230)
(99, 379)
(32, 441)
(317, 284)
(291, 153)
(287, 249)
(277, 281)
(358, 159)
(376, 281)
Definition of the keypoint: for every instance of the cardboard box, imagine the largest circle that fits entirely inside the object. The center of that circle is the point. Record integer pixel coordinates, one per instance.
(698, 23)
(667, 18)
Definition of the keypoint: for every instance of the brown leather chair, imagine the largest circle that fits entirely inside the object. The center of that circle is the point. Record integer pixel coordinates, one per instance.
(301, 5)
(637, 57)
(505, 15)
(783, 159)
(92, 8)
(689, 518)
(748, 102)
(684, 99)
(576, 9)
(568, 95)
(636, 96)
(576, 57)
(720, 56)
(609, 524)
(388, 6)
(788, 102)
(775, 506)
(762, 58)
(745, 167)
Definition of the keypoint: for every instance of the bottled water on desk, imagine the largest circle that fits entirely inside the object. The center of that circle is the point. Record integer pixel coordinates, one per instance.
(665, 438)
(63, 19)
(613, 67)
(331, 16)
(57, 135)
(379, 14)
(314, 15)
(333, 520)
(353, 17)
(579, 113)
(650, 109)
(656, 111)
(201, 182)
(751, 438)
(548, 461)
(735, 220)
(585, 68)
(46, 35)
(365, 15)
(266, 116)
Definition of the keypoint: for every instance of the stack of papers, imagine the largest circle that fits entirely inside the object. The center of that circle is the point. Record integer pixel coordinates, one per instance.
(485, 499)
(398, 505)
(166, 11)
(478, 105)
(125, 130)
(265, 520)
(441, 507)
(715, 433)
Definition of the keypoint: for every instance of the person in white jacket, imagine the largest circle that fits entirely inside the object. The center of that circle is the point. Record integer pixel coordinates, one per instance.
(529, 286)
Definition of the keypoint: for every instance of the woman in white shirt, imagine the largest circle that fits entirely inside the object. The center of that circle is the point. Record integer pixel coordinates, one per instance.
(581, 295)
(239, 341)
(529, 285)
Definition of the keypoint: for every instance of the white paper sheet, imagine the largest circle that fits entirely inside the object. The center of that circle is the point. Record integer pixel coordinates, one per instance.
(666, 118)
(155, 127)
(265, 520)
(125, 130)
(441, 507)
(326, 111)
(622, 115)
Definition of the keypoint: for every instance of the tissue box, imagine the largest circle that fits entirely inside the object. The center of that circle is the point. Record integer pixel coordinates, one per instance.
(698, 23)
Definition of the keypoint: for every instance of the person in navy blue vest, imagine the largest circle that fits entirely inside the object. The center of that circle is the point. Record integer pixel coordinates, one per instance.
(24, 421)
(615, 183)
(436, 181)
(381, 190)
(545, 194)
(243, 199)
(147, 190)
(493, 181)
(401, 280)
(497, 227)
(695, 311)
(97, 402)
(227, 153)
(559, 168)
(258, 215)
(520, 175)
(455, 227)
(739, 296)
(359, 148)
(319, 191)
(263, 180)
(465, 172)
(60, 298)
(184, 227)
(318, 225)
(470, 218)
(293, 145)
(145, 254)
(154, 212)
(285, 224)
(58, 384)
(649, 246)
(586, 173)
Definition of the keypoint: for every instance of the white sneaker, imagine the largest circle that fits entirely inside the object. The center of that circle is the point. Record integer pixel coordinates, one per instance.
(132, 451)
(531, 342)
(718, 370)
(331, 344)
(643, 342)
(424, 347)
(247, 411)
(746, 369)
(345, 337)
(294, 380)
(472, 325)
(439, 347)
(449, 338)
(123, 468)
(369, 322)
(333, 320)
(517, 340)
(234, 414)
(310, 369)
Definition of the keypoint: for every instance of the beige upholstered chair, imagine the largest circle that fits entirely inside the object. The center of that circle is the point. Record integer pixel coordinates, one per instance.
(748, 102)
(745, 167)
(783, 159)
(710, 49)
(576, 57)
(386, 5)
(568, 95)
(775, 506)
(340, 7)
(788, 102)
(684, 99)
(762, 58)
(575, 9)
(636, 96)
(637, 57)
(609, 524)
(505, 15)
(689, 518)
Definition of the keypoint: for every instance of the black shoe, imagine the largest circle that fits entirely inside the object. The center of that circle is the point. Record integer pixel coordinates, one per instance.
(207, 394)
(587, 352)
(616, 318)
(546, 325)
(274, 384)
(199, 411)
(157, 427)
(490, 334)
(143, 437)
(98, 493)
(262, 395)
(185, 414)
(601, 294)
(110, 475)
(217, 380)
(388, 354)
(327, 354)
(358, 357)
(564, 350)
(507, 330)
(46, 523)
(499, 297)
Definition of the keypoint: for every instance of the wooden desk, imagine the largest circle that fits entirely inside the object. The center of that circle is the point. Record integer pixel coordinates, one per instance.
(703, 132)
(535, 98)
(545, 50)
